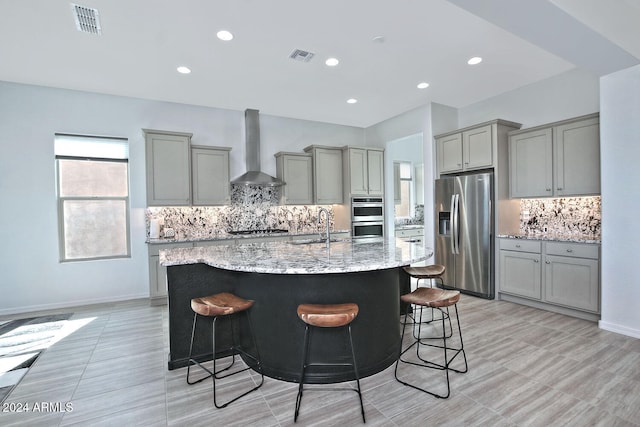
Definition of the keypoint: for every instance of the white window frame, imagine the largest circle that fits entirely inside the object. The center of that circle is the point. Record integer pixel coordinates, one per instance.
(91, 148)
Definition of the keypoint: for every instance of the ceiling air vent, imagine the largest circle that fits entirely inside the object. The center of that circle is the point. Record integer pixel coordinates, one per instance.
(301, 55)
(87, 19)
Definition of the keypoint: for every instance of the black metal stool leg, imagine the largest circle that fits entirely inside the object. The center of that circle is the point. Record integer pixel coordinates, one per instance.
(355, 370)
(302, 369)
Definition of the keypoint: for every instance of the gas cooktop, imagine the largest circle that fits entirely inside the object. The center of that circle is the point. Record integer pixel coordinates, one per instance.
(265, 231)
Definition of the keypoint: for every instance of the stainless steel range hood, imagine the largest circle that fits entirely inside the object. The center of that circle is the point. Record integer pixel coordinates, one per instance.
(254, 176)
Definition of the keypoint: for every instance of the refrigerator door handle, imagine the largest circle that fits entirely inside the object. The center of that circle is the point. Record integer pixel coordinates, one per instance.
(455, 233)
(452, 232)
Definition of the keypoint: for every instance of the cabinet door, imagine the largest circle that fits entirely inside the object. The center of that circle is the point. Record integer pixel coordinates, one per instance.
(358, 171)
(296, 173)
(572, 282)
(449, 153)
(168, 170)
(477, 148)
(530, 164)
(210, 176)
(520, 274)
(327, 171)
(577, 157)
(375, 172)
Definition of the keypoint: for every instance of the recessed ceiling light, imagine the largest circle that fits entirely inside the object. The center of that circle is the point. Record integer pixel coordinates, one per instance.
(475, 60)
(224, 35)
(184, 70)
(332, 62)
(351, 101)
(423, 85)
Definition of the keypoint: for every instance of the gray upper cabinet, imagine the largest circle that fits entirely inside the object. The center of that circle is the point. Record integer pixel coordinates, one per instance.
(295, 169)
(531, 159)
(210, 175)
(364, 168)
(556, 160)
(327, 174)
(467, 150)
(168, 159)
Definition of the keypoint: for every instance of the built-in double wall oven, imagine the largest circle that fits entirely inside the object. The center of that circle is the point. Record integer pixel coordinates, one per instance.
(367, 217)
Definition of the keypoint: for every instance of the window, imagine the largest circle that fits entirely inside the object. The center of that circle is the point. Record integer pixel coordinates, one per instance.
(403, 183)
(93, 197)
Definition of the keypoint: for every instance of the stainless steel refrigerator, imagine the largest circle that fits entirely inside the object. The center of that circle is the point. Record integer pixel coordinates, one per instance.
(464, 232)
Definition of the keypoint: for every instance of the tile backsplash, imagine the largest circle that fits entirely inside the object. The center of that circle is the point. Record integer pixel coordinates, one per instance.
(569, 215)
(252, 208)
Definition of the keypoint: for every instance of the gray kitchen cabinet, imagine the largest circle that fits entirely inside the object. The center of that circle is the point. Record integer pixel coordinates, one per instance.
(572, 275)
(556, 160)
(411, 233)
(158, 273)
(471, 148)
(210, 175)
(556, 274)
(327, 174)
(467, 150)
(295, 169)
(531, 159)
(364, 169)
(520, 269)
(168, 162)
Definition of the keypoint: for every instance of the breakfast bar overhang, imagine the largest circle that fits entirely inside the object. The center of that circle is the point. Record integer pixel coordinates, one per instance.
(279, 276)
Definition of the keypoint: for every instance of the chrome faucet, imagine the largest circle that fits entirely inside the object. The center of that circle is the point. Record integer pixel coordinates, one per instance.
(326, 212)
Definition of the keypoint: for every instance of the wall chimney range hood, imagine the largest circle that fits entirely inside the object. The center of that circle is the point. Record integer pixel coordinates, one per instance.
(254, 176)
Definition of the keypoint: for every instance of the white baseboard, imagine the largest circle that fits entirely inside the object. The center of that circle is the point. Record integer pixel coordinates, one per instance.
(619, 329)
(69, 304)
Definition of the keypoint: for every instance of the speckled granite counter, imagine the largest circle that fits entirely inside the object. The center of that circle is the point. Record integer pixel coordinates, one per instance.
(576, 238)
(279, 276)
(290, 258)
(236, 237)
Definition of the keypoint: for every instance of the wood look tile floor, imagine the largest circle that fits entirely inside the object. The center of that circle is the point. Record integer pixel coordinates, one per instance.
(527, 367)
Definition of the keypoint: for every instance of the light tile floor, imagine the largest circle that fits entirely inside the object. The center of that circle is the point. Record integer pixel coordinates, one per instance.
(527, 367)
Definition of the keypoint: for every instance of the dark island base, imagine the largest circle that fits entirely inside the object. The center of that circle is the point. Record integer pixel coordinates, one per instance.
(279, 333)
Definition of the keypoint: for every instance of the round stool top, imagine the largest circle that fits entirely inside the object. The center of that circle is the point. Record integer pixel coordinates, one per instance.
(220, 304)
(328, 315)
(425, 272)
(432, 297)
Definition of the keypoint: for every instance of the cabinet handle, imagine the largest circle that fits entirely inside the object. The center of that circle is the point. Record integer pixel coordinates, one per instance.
(569, 250)
(559, 188)
(536, 261)
(517, 246)
(466, 163)
(548, 189)
(547, 262)
(459, 164)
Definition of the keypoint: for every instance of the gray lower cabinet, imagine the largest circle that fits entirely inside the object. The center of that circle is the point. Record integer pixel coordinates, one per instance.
(561, 274)
(158, 273)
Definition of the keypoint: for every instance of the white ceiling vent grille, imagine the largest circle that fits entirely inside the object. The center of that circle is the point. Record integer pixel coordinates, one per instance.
(87, 19)
(301, 55)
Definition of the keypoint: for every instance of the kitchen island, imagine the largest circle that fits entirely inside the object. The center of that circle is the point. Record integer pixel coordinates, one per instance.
(280, 275)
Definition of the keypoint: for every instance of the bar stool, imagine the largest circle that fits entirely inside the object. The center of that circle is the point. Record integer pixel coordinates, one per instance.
(431, 272)
(428, 272)
(215, 306)
(438, 299)
(327, 316)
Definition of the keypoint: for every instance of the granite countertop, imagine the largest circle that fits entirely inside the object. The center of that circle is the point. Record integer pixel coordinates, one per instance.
(408, 226)
(227, 236)
(289, 258)
(555, 237)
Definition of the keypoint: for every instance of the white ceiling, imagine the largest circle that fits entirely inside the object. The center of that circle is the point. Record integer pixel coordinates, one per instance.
(143, 41)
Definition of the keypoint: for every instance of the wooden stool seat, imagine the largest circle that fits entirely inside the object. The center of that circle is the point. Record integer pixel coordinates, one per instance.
(220, 304)
(433, 271)
(432, 297)
(327, 315)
